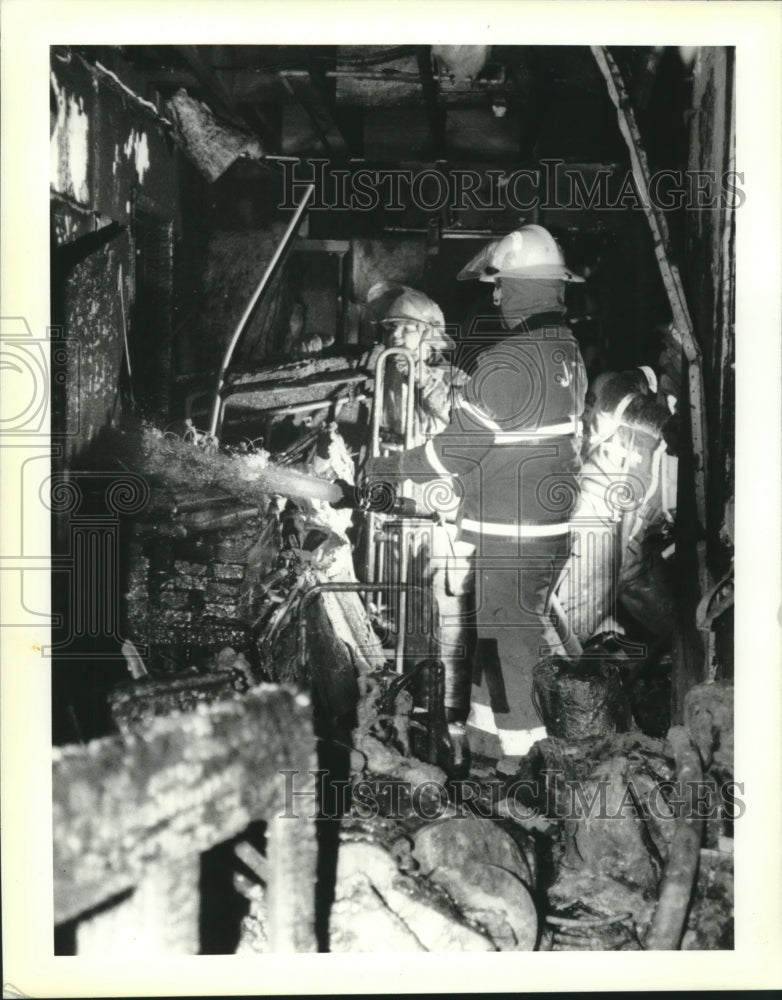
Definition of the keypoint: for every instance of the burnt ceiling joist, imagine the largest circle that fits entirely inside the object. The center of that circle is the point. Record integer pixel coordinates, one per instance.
(310, 95)
(197, 58)
(221, 100)
(434, 113)
(383, 103)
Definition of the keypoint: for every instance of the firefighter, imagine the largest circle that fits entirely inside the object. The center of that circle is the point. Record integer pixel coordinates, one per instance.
(410, 319)
(626, 505)
(511, 450)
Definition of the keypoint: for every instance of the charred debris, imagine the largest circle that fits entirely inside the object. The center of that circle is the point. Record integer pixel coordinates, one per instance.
(231, 652)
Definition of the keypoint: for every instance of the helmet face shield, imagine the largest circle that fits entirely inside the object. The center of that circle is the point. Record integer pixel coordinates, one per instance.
(481, 266)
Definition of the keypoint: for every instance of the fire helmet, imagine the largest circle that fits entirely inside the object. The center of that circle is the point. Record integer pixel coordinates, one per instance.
(394, 303)
(528, 253)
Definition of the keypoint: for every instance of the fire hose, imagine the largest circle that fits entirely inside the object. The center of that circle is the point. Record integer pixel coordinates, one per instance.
(374, 496)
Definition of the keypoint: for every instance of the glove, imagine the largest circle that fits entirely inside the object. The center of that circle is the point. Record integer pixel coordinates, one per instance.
(373, 479)
(378, 495)
(369, 495)
(349, 499)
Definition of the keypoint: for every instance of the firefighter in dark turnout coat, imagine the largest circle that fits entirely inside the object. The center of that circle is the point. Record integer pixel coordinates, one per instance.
(511, 451)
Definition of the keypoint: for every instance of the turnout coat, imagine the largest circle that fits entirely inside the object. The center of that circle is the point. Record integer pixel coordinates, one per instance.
(511, 454)
(511, 448)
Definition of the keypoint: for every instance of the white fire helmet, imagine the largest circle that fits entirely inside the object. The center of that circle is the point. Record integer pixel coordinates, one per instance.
(528, 253)
(399, 304)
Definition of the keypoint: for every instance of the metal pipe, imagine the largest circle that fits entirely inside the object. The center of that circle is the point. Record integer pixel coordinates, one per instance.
(206, 520)
(296, 449)
(380, 385)
(271, 267)
(320, 404)
(445, 234)
(375, 558)
(289, 409)
(374, 442)
(370, 565)
(401, 621)
(405, 534)
(380, 566)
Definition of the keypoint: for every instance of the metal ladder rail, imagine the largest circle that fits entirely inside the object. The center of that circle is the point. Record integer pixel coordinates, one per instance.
(378, 566)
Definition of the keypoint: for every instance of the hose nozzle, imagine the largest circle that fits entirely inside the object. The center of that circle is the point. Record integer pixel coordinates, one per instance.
(374, 496)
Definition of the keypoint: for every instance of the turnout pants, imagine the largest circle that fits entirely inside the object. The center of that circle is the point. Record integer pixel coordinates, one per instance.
(512, 585)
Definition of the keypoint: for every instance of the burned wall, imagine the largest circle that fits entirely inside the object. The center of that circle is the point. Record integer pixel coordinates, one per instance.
(109, 149)
(233, 264)
(90, 304)
(113, 215)
(301, 302)
(711, 286)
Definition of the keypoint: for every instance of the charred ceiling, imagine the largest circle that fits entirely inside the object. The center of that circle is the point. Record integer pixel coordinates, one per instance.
(461, 103)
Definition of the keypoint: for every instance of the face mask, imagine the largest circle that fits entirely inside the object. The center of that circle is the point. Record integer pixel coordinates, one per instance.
(519, 299)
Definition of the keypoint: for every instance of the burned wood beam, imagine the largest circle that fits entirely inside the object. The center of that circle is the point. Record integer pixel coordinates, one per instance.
(321, 132)
(161, 917)
(217, 93)
(434, 112)
(301, 87)
(657, 222)
(125, 808)
(665, 933)
(323, 92)
(312, 392)
(216, 90)
(669, 272)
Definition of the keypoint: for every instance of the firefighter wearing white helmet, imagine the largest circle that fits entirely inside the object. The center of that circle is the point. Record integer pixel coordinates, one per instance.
(413, 318)
(408, 318)
(529, 253)
(513, 445)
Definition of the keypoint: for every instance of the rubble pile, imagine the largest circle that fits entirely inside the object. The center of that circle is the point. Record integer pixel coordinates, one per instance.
(233, 583)
(450, 883)
(611, 846)
(379, 907)
(220, 561)
(708, 713)
(574, 853)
